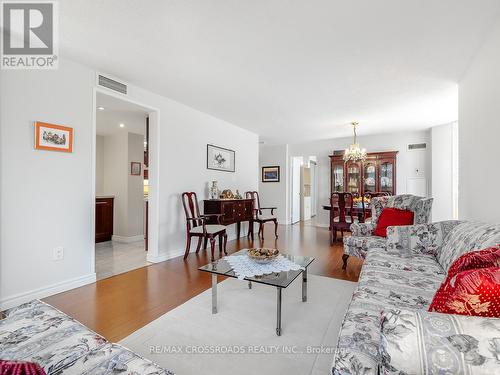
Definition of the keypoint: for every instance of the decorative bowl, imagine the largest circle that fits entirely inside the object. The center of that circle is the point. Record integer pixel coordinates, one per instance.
(263, 255)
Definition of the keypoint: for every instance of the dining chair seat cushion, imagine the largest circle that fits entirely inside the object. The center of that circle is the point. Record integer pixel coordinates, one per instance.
(347, 220)
(265, 217)
(392, 217)
(211, 229)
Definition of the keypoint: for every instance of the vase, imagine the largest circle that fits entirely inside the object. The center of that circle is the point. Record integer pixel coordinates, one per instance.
(214, 190)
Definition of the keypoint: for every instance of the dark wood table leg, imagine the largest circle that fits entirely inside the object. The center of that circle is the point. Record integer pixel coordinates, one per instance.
(250, 229)
(344, 261)
(238, 228)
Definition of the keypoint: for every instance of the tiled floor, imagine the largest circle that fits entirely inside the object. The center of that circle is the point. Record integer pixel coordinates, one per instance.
(113, 258)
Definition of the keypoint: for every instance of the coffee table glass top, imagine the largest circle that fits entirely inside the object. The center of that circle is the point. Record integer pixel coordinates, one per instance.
(278, 279)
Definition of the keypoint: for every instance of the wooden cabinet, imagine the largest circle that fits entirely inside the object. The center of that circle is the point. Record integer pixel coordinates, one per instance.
(376, 173)
(233, 211)
(104, 219)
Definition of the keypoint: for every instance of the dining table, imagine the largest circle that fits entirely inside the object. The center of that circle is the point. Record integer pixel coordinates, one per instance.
(357, 210)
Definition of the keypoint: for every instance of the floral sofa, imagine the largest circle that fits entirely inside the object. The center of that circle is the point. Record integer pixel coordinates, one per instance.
(362, 238)
(37, 332)
(387, 328)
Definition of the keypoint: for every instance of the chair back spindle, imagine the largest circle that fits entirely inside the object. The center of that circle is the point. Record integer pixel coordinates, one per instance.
(191, 209)
(254, 196)
(345, 204)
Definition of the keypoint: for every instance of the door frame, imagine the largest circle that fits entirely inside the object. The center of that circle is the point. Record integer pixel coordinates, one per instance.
(313, 164)
(292, 191)
(153, 173)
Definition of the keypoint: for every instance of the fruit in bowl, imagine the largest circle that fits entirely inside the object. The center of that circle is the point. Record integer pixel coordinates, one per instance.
(262, 255)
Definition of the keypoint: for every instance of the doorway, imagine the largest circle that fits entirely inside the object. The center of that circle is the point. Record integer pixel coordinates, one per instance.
(314, 186)
(121, 185)
(295, 188)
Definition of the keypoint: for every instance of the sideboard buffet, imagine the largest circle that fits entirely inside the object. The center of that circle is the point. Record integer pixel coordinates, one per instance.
(233, 211)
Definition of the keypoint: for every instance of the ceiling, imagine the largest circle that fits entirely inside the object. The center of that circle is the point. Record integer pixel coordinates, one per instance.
(288, 70)
(116, 112)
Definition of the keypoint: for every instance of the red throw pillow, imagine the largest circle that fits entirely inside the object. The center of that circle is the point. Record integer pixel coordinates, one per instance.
(20, 368)
(489, 257)
(473, 292)
(392, 217)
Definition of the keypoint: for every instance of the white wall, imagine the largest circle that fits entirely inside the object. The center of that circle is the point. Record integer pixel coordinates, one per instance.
(479, 133)
(407, 162)
(99, 172)
(135, 184)
(46, 197)
(274, 194)
(442, 172)
(116, 170)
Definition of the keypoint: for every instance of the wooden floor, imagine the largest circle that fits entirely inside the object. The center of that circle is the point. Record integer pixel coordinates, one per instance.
(117, 306)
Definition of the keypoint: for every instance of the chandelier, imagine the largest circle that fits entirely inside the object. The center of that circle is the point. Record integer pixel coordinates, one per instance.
(354, 153)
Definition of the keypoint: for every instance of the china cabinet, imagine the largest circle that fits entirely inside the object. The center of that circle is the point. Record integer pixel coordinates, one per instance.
(376, 173)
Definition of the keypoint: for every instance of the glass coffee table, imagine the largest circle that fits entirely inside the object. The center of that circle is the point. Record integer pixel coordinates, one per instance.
(279, 280)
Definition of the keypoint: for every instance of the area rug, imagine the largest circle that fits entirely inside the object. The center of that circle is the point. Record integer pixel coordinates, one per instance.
(241, 338)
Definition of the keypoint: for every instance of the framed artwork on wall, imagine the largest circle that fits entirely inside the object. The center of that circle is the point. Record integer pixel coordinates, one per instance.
(271, 174)
(53, 137)
(220, 159)
(135, 168)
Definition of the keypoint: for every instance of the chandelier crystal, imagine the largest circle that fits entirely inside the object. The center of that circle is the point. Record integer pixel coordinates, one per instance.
(354, 152)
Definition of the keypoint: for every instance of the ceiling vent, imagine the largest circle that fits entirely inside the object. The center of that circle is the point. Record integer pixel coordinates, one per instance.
(111, 84)
(417, 147)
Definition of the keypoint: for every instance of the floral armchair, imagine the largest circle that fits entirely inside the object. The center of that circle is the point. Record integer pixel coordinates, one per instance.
(362, 238)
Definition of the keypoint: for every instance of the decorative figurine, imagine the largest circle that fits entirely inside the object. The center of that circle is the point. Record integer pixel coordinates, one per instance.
(237, 195)
(227, 194)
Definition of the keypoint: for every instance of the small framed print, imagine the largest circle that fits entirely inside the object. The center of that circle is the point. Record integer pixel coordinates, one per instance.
(220, 159)
(271, 174)
(53, 137)
(135, 168)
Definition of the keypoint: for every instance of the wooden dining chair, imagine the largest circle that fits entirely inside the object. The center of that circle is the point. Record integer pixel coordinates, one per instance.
(259, 216)
(343, 202)
(369, 195)
(196, 226)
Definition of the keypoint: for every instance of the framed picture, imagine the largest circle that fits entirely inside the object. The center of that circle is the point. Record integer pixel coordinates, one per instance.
(271, 174)
(53, 137)
(220, 159)
(135, 168)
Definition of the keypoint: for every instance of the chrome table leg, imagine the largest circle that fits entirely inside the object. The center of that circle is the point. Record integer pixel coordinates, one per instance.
(304, 285)
(214, 293)
(278, 320)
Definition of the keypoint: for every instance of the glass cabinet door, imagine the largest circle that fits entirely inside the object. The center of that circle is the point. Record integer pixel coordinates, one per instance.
(386, 176)
(338, 178)
(369, 177)
(353, 177)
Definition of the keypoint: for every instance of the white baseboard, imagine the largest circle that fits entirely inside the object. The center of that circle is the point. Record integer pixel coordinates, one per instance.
(163, 256)
(322, 225)
(17, 299)
(123, 239)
